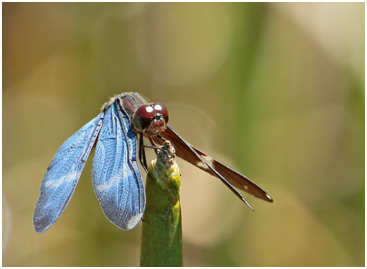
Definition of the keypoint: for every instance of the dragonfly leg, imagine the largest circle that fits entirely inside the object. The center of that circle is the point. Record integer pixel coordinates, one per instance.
(161, 138)
(154, 146)
(142, 156)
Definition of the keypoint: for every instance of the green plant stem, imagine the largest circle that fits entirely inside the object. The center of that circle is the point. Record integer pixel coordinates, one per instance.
(162, 230)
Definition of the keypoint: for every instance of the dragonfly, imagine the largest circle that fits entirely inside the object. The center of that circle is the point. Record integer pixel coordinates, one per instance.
(117, 134)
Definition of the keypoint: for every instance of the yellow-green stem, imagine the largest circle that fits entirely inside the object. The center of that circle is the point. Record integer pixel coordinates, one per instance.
(162, 230)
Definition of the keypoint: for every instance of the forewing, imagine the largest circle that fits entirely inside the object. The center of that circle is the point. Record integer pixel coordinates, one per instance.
(236, 179)
(63, 174)
(116, 178)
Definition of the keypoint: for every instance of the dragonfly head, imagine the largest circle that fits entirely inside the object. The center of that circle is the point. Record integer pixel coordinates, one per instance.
(150, 119)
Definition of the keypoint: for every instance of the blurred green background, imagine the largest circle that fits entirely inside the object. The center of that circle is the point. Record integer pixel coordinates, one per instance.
(274, 90)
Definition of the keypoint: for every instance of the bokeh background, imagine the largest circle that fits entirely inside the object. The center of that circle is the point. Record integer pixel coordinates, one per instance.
(274, 90)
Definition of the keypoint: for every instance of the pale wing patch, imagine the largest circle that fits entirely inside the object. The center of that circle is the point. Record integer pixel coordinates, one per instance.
(203, 165)
(57, 182)
(133, 221)
(113, 181)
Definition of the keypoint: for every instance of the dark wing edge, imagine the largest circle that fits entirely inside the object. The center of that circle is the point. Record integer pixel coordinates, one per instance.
(63, 174)
(116, 177)
(236, 179)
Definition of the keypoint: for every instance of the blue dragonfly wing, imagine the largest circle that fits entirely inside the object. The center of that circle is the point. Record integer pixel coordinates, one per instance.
(63, 174)
(116, 177)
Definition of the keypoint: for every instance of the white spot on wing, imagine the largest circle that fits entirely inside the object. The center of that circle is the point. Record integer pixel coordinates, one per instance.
(113, 181)
(57, 182)
(133, 221)
(208, 159)
(202, 165)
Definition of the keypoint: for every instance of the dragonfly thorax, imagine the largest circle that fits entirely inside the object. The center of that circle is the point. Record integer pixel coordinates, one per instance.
(150, 119)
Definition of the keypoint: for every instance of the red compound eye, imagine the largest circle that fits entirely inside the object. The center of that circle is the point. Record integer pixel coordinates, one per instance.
(150, 118)
(161, 109)
(143, 116)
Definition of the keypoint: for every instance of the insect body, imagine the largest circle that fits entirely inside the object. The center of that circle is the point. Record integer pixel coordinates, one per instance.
(116, 177)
